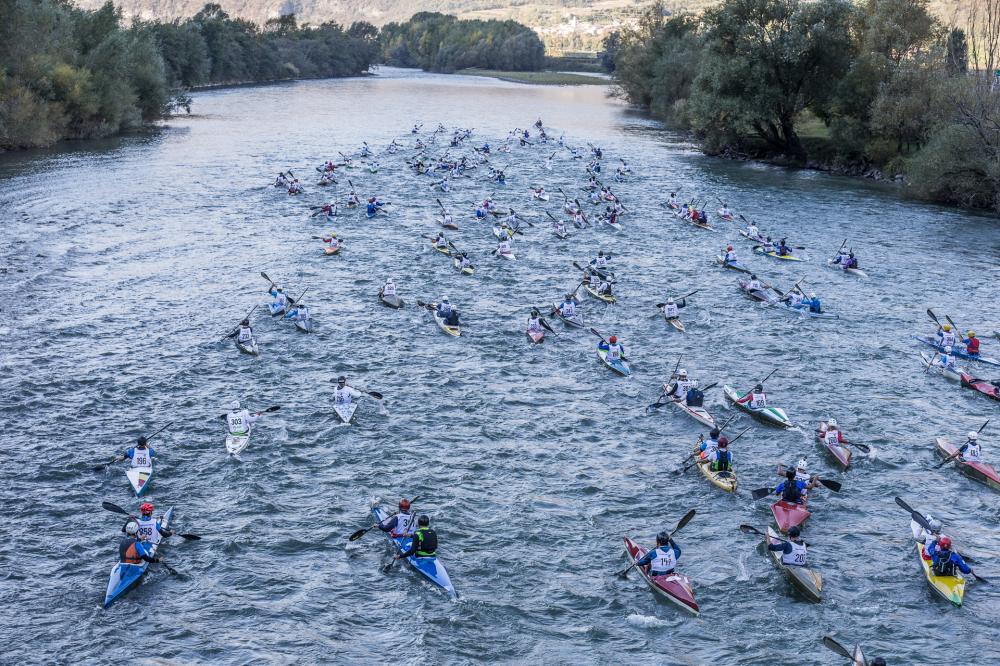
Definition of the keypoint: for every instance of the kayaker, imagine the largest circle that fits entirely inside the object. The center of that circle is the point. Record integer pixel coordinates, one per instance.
(243, 333)
(730, 257)
(281, 180)
(945, 360)
(425, 541)
(922, 534)
(331, 240)
(447, 312)
(441, 242)
(240, 421)
(794, 298)
(344, 394)
(579, 219)
(679, 389)
(783, 249)
(946, 336)
(280, 300)
(132, 549)
(534, 321)
(616, 351)
(560, 227)
(447, 219)
(141, 454)
(463, 261)
(707, 447)
(768, 245)
(813, 303)
(568, 307)
(503, 247)
(724, 212)
(752, 231)
(802, 474)
(299, 313)
(754, 284)
(604, 288)
(791, 489)
(793, 551)
(353, 201)
(971, 451)
(662, 560)
(851, 261)
(150, 530)
(721, 459)
(672, 201)
(944, 560)
(832, 433)
(389, 288)
(399, 524)
(671, 308)
(295, 187)
(971, 344)
(755, 399)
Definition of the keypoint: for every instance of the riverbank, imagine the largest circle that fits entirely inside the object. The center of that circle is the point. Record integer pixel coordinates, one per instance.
(543, 78)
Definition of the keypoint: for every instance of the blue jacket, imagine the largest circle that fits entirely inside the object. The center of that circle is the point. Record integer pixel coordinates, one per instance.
(935, 554)
(648, 557)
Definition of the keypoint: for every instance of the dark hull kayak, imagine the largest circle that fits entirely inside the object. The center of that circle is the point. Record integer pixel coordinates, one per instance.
(391, 301)
(989, 389)
(955, 351)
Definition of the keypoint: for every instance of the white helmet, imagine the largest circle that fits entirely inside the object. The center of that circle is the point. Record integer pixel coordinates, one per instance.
(812, 294)
(973, 436)
(934, 524)
(131, 528)
(670, 301)
(832, 423)
(801, 464)
(682, 373)
(234, 405)
(444, 299)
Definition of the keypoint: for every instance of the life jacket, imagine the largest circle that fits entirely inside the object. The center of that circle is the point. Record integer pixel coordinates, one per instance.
(972, 345)
(695, 398)
(149, 529)
(723, 461)
(664, 561)
(239, 422)
(944, 566)
(128, 553)
(791, 492)
(403, 522)
(973, 453)
(245, 334)
(427, 542)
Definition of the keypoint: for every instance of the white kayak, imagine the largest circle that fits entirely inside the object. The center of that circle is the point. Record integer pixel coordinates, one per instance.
(139, 478)
(929, 365)
(345, 411)
(850, 271)
(236, 443)
(699, 414)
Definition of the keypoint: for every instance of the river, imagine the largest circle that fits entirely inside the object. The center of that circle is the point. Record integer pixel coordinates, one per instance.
(126, 261)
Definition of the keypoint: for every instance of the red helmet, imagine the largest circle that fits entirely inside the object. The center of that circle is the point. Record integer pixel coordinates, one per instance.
(723, 441)
(945, 543)
(146, 508)
(613, 339)
(729, 247)
(404, 504)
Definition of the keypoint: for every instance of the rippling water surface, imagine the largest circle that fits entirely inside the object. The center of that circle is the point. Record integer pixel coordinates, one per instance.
(127, 260)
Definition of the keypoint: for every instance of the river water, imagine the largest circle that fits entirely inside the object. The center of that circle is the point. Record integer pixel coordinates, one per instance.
(127, 260)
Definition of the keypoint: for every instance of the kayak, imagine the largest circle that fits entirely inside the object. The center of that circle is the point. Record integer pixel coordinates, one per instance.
(770, 415)
(391, 301)
(728, 217)
(617, 226)
(734, 265)
(328, 250)
(429, 567)
(305, 325)
(507, 255)
(951, 588)
(236, 443)
(450, 330)
(674, 587)
(775, 255)
(953, 375)
(722, 480)
(982, 472)
(804, 311)
(788, 515)
(540, 197)
(673, 321)
(850, 271)
(806, 580)
(468, 270)
(276, 309)
(858, 657)
(840, 452)
(620, 366)
(700, 225)
(699, 414)
(139, 478)
(125, 576)
(762, 295)
(443, 250)
(447, 225)
(535, 336)
(248, 347)
(576, 321)
(987, 388)
(562, 235)
(601, 297)
(955, 351)
(755, 239)
(345, 411)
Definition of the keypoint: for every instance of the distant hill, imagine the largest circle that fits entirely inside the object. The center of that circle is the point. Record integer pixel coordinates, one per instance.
(564, 25)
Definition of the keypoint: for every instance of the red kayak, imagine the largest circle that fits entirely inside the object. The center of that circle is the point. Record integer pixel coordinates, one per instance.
(536, 336)
(675, 587)
(981, 472)
(788, 515)
(989, 389)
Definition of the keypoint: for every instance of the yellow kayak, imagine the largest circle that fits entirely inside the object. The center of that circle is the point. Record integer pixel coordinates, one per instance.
(786, 257)
(722, 480)
(951, 588)
(593, 292)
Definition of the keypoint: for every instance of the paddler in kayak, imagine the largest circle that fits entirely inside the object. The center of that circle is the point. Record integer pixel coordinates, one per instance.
(600, 262)
(389, 288)
(730, 257)
(243, 333)
(344, 394)
(945, 360)
(616, 351)
(791, 489)
(535, 322)
(813, 303)
(399, 524)
(441, 242)
(141, 454)
(755, 399)
(332, 241)
(943, 559)
(503, 247)
(299, 313)
(923, 535)
(447, 312)
(681, 388)
(150, 530)
(671, 309)
(946, 336)
(833, 434)
(463, 261)
(375, 205)
(971, 451)
(661, 560)
(793, 551)
(240, 420)
(295, 187)
(132, 549)
(971, 344)
(709, 446)
(783, 249)
(568, 307)
(721, 459)
(794, 299)
(280, 301)
(425, 541)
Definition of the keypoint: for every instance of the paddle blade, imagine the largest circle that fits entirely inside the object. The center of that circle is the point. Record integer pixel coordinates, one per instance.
(904, 505)
(360, 533)
(761, 493)
(837, 647)
(190, 537)
(685, 520)
(273, 408)
(114, 508)
(375, 394)
(832, 485)
(749, 529)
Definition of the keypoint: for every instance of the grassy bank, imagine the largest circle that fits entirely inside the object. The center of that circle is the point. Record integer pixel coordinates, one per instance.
(539, 78)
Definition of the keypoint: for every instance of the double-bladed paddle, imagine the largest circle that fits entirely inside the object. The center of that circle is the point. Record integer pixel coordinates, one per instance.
(957, 453)
(364, 530)
(99, 468)
(114, 508)
(680, 298)
(683, 521)
(835, 486)
(750, 529)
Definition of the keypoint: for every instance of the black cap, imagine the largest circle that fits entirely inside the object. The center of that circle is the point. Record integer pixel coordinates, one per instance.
(794, 531)
(423, 521)
(142, 441)
(662, 538)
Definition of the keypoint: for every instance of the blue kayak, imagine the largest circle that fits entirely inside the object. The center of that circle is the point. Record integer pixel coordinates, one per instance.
(428, 567)
(620, 366)
(125, 576)
(956, 351)
(275, 309)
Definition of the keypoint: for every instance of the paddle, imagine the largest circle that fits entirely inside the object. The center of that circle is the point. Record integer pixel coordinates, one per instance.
(750, 529)
(658, 403)
(681, 298)
(959, 452)
(696, 462)
(839, 250)
(364, 530)
(114, 508)
(544, 323)
(761, 493)
(834, 645)
(120, 458)
(930, 313)
(607, 277)
(683, 521)
(835, 486)
(955, 327)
